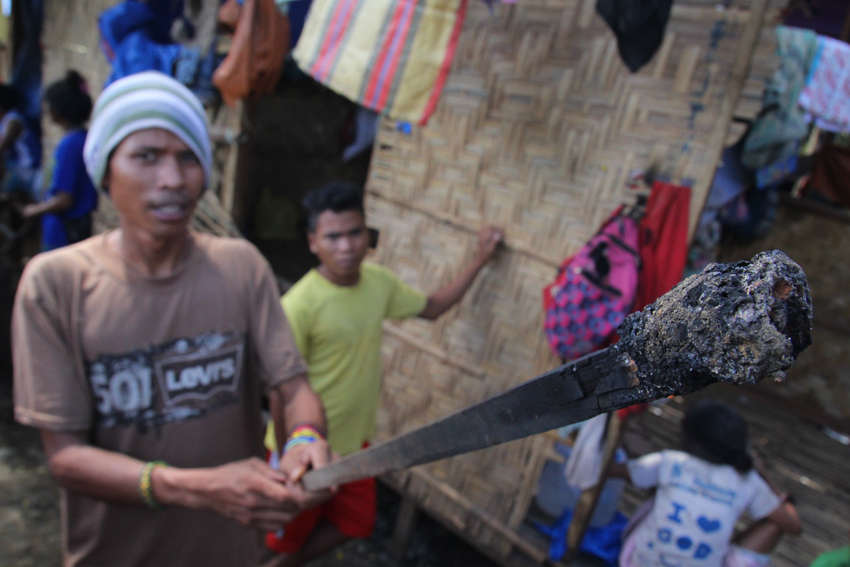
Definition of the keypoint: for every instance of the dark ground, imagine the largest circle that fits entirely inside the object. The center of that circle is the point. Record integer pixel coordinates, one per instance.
(29, 499)
(29, 515)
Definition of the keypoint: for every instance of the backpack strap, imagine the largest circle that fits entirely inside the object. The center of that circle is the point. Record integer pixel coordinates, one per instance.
(616, 240)
(592, 278)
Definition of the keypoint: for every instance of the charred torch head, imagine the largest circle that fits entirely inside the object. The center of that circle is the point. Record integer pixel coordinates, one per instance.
(735, 323)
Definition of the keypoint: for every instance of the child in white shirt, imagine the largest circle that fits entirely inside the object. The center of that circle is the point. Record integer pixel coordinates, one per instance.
(701, 492)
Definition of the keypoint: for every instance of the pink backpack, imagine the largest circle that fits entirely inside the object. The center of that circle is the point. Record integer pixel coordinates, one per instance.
(594, 290)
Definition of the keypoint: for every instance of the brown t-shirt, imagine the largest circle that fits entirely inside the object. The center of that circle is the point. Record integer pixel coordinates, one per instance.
(156, 368)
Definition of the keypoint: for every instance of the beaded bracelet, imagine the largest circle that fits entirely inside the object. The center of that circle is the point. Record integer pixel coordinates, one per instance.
(145, 487)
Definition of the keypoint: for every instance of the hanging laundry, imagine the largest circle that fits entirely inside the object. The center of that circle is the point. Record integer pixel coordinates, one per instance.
(663, 241)
(782, 123)
(126, 40)
(129, 37)
(260, 44)
(298, 10)
(366, 128)
(778, 171)
(826, 96)
(391, 56)
(594, 291)
(584, 465)
(638, 25)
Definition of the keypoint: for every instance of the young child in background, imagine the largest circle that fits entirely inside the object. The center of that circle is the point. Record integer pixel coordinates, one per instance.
(702, 490)
(66, 209)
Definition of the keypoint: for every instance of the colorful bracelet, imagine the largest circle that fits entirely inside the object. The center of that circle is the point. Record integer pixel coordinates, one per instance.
(300, 441)
(302, 435)
(308, 426)
(305, 433)
(145, 487)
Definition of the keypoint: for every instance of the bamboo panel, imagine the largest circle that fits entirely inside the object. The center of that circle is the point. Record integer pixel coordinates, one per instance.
(539, 127)
(534, 119)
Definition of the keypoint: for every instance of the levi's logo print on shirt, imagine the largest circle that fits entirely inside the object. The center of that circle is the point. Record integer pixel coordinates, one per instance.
(178, 380)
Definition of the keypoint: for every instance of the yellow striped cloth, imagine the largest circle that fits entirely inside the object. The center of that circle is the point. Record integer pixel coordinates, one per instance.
(391, 56)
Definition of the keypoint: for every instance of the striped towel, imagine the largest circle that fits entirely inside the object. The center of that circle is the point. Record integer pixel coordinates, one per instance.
(391, 56)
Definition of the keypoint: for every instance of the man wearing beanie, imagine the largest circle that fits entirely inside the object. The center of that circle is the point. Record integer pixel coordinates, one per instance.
(141, 355)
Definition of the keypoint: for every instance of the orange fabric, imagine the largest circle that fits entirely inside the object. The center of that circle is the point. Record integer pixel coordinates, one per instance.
(257, 52)
(352, 511)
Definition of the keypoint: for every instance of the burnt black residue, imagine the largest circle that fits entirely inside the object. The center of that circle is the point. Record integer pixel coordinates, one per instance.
(735, 323)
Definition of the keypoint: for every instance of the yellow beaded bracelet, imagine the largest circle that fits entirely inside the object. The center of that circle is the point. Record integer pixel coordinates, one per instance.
(145, 487)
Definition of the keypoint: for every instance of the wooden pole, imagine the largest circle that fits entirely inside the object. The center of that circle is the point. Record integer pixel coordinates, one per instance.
(586, 504)
(405, 521)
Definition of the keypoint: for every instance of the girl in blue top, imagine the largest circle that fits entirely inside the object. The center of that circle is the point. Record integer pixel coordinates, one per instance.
(71, 197)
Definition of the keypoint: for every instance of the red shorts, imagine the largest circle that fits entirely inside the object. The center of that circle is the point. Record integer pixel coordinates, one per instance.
(352, 511)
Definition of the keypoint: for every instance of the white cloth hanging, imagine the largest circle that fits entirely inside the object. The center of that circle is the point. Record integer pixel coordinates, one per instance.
(584, 467)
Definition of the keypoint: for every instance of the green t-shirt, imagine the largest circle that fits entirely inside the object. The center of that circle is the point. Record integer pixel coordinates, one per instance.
(338, 331)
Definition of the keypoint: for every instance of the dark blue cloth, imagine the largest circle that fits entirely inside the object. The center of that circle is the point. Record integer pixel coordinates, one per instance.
(137, 53)
(165, 11)
(603, 542)
(297, 16)
(119, 21)
(69, 176)
(127, 33)
(133, 41)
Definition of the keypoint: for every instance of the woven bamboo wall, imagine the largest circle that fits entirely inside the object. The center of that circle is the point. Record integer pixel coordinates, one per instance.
(71, 41)
(537, 131)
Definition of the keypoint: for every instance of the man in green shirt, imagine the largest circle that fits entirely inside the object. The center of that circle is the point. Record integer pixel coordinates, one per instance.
(336, 312)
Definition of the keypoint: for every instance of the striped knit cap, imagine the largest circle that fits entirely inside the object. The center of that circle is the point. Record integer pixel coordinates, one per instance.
(138, 102)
